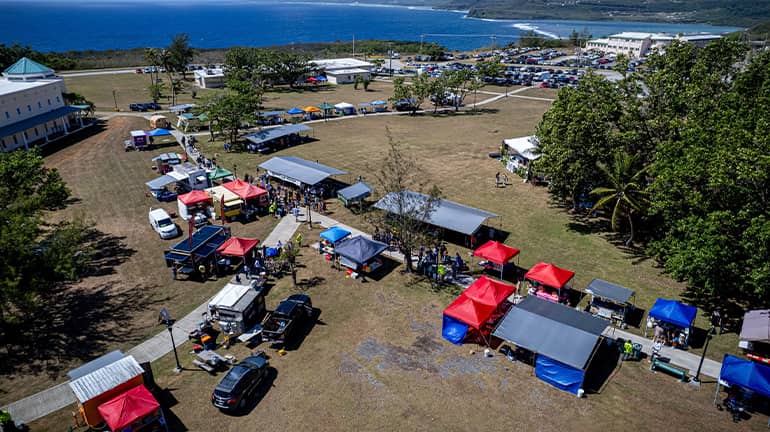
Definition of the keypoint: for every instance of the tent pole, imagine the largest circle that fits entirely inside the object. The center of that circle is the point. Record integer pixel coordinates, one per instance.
(716, 393)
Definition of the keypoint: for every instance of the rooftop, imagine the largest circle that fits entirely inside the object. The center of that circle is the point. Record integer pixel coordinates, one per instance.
(341, 63)
(11, 86)
(26, 66)
(210, 73)
(346, 71)
(631, 35)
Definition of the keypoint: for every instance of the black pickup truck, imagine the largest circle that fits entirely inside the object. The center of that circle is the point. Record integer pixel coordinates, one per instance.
(280, 324)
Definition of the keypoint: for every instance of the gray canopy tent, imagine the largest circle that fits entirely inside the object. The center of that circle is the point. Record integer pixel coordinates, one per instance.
(563, 339)
(755, 335)
(266, 135)
(446, 214)
(359, 252)
(298, 171)
(609, 300)
(354, 193)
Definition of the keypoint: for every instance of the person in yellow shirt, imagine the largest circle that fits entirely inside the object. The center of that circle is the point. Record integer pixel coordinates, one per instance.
(299, 239)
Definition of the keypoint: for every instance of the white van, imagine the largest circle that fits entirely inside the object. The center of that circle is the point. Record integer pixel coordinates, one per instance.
(161, 222)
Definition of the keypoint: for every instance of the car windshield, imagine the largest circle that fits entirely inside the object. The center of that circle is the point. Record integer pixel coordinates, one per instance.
(232, 378)
(165, 222)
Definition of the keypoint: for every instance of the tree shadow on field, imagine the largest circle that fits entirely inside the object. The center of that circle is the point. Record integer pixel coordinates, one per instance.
(109, 251)
(75, 137)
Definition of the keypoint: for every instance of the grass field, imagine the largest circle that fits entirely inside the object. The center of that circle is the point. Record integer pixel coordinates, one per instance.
(376, 360)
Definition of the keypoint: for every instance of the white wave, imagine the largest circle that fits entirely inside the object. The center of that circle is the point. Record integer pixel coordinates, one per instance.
(536, 29)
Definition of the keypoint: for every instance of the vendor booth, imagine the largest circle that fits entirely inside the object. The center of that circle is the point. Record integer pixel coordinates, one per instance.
(220, 175)
(136, 410)
(193, 202)
(270, 118)
(138, 141)
(519, 153)
(272, 139)
(755, 335)
(379, 105)
(610, 301)
(356, 193)
(197, 251)
(473, 314)
(159, 122)
(237, 247)
(165, 162)
(189, 177)
(672, 320)
(225, 202)
(496, 255)
(159, 190)
(254, 198)
(330, 238)
(748, 382)
(360, 254)
(101, 380)
(563, 340)
(298, 171)
(549, 282)
(344, 108)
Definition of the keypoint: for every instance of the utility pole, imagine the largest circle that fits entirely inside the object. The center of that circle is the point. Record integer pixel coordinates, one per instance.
(354, 46)
(422, 41)
(390, 59)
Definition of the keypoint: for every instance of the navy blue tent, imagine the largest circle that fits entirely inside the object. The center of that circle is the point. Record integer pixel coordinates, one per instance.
(334, 234)
(360, 249)
(745, 373)
(671, 311)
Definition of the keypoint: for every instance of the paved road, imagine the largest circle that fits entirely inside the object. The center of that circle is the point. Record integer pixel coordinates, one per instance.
(93, 73)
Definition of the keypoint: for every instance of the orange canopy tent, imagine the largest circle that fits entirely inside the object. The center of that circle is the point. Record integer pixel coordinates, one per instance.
(132, 406)
(311, 109)
(244, 190)
(238, 247)
(489, 291)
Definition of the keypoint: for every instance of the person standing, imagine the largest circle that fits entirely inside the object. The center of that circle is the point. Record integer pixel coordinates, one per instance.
(497, 179)
(299, 240)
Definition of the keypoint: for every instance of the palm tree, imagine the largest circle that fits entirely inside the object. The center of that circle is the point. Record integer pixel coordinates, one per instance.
(151, 57)
(625, 191)
(165, 60)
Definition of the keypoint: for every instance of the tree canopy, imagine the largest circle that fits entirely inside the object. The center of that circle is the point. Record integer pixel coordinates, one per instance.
(696, 123)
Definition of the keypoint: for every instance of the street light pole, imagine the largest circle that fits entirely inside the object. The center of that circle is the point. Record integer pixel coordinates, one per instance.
(710, 333)
(166, 319)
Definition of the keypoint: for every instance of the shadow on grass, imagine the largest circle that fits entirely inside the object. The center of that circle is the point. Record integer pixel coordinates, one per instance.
(110, 251)
(304, 327)
(602, 366)
(259, 393)
(98, 127)
(166, 399)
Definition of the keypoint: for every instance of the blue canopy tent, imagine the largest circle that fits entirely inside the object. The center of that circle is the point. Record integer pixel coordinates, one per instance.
(744, 373)
(321, 78)
(334, 234)
(295, 111)
(454, 330)
(158, 132)
(673, 312)
(360, 252)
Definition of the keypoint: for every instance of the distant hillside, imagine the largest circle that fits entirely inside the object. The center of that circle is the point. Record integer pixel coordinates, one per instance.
(760, 31)
(741, 13)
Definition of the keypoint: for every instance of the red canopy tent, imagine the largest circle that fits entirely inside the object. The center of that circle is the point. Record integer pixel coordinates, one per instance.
(549, 275)
(497, 253)
(131, 406)
(244, 190)
(470, 311)
(489, 291)
(194, 197)
(238, 247)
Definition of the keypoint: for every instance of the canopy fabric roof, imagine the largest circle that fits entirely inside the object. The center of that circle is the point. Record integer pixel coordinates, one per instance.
(169, 157)
(553, 330)
(182, 107)
(160, 182)
(321, 78)
(525, 146)
(271, 113)
(756, 326)
(158, 132)
(311, 109)
(549, 275)
(379, 102)
(343, 105)
(610, 291)
(158, 117)
(334, 234)
(746, 373)
(446, 214)
(489, 291)
(674, 312)
(243, 189)
(133, 405)
(326, 106)
(355, 192)
(219, 173)
(360, 249)
(220, 193)
(204, 241)
(496, 252)
(266, 135)
(294, 111)
(469, 311)
(194, 197)
(105, 378)
(39, 119)
(236, 246)
(294, 168)
(365, 104)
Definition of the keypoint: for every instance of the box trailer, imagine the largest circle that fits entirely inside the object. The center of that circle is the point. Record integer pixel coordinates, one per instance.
(238, 307)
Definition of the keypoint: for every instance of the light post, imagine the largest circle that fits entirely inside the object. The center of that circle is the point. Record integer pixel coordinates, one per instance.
(235, 171)
(390, 60)
(166, 319)
(709, 334)
(115, 99)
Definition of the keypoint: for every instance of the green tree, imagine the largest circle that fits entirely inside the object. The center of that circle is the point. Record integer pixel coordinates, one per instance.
(625, 193)
(78, 99)
(229, 111)
(181, 54)
(412, 93)
(155, 90)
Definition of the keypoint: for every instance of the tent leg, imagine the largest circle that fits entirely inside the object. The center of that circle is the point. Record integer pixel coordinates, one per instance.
(716, 393)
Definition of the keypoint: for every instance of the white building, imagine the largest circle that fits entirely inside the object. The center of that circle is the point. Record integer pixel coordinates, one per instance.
(636, 44)
(344, 70)
(32, 106)
(210, 78)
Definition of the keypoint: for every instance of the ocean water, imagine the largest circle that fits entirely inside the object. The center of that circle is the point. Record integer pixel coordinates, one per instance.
(60, 25)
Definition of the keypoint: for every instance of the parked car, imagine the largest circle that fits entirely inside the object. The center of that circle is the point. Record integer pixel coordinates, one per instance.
(280, 324)
(138, 70)
(161, 222)
(137, 107)
(240, 382)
